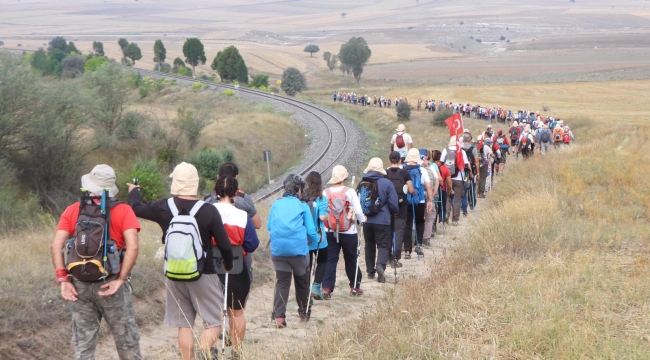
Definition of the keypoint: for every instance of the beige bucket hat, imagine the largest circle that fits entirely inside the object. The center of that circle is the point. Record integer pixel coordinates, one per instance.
(375, 164)
(100, 177)
(185, 180)
(339, 174)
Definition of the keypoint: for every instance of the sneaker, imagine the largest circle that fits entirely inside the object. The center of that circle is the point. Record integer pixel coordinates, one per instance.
(228, 341)
(235, 355)
(316, 292)
(454, 223)
(304, 319)
(395, 263)
(426, 242)
(280, 323)
(356, 292)
(464, 214)
(327, 293)
(407, 256)
(380, 275)
(418, 250)
(435, 227)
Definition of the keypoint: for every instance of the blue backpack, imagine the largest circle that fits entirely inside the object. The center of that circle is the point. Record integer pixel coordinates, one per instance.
(416, 175)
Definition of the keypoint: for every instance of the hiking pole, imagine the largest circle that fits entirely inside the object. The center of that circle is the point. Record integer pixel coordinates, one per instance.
(356, 268)
(417, 247)
(224, 317)
(102, 207)
(394, 249)
(442, 210)
(314, 264)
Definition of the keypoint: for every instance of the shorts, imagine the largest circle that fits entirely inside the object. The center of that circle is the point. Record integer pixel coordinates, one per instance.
(186, 299)
(239, 285)
(502, 159)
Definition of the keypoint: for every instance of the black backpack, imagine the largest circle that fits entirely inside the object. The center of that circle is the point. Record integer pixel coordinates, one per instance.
(398, 182)
(470, 157)
(369, 197)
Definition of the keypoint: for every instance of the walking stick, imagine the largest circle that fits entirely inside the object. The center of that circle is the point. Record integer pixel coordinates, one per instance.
(356, 268)
(225, 317)
(314, 264)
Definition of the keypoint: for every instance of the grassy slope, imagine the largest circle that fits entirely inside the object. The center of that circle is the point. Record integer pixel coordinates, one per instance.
(558, 271)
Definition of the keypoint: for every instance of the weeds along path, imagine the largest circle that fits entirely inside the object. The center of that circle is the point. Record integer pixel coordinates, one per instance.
(333, 139)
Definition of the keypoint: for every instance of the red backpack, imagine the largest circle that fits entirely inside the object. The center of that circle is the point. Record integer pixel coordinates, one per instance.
(338, 207)
(399, 140)
(566, 138)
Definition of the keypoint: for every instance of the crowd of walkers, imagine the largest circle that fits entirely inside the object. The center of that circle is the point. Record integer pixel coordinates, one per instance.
(208, 243)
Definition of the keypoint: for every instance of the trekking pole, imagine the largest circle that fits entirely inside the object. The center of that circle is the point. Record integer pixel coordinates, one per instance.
(392, 221)
(417, 247)
(102, 207)
(442, 211)
(224, 317)
(356, 268)
(314, 264)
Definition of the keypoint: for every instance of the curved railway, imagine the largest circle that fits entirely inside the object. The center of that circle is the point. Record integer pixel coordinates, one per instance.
(337, 130)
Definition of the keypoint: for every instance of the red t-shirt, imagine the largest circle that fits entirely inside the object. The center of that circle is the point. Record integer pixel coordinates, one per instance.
(122, 218)
(444, 173)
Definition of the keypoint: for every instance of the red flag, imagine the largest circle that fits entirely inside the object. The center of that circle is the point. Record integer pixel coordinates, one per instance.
(455, 124)
(460, 162)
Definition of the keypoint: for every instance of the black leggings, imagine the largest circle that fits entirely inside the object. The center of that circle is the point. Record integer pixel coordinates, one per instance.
(239, 285)
(321, 264)
(419, 225)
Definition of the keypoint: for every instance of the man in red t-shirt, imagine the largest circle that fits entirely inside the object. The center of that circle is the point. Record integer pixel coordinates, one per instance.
(108, 298)
(445, 187)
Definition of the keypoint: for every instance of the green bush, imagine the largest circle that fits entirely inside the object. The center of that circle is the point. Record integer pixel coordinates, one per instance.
(144, 92)
(132, 125)
(440, 116)
(403, 111)
(197, 85)
(207, 162)
(18, 210)
(229, 92)
(260, 80)
(95, 63)
(150, 179)
(185, 71)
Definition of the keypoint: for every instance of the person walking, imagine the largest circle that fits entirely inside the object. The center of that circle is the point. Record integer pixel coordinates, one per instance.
(377, 230)
(445, 186)
(545, 137)
(419, 203)
(486, 156)
(399, 178)
(313, 196)
(401, 141)
(457, 178)
(241, 232)
(430, 217)
(343, 205)
(504, 146)
(94, 294)
(203, 296)
(292, 230)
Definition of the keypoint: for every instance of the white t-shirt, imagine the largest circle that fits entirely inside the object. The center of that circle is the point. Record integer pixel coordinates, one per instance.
(459, 175)
(407, 140)
(354, 202)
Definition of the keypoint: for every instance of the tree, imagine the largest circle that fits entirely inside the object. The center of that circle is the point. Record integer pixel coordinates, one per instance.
(178, 63)
(230, 64)
(71, 48)
(123, 44)
(160, 53)
(194, 53)
(215, 62)
(191, 123)
(403, 111)
(95, 63)
(260, 80)
(73, 66)
(58, 43)
(40, 62)
(242, 72)
(326, 56)
(331, 63)
(355, 53)
(439, 117)
(110, 83)
(343, 14)
(293, 81)
(132, 51)
(311, 49)
(98, 48)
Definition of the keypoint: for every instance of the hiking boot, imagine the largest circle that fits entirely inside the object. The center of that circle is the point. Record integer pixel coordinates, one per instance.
(356, 292)
(304, 319)
(426, 242)
(316, 292)
(235, 355)
(380, 275)
(435, 227)
(228, 341)
(395, 263)
(280, 323)
(215, 353)
(464, 214)
(454, 223)
(407, 256)
(418, 250)
(327, 293)
(371, 276)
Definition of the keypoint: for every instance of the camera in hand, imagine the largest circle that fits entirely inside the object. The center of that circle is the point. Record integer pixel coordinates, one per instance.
(135, 181)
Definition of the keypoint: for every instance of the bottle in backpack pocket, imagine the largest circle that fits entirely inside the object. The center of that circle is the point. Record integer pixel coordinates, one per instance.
(114, 256)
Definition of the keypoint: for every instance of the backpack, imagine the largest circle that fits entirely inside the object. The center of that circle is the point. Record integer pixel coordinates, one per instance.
(557, 136)
(567, 138)
(85, 250)
(470, 157)
(545, 136)
(184, 255)
(399, 140)
(416, 179)
(338, 208)
(502, 144)
(450, 161)
(369, 197)
(515, 133)
(398, 182)
(525, 142)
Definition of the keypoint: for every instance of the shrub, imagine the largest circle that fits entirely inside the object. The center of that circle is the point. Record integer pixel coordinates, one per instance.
(471, 37)
(95, 63)
(403, 111)
(133, 124)
(479, 40)
(150, 179)
(439, 117)
(207, 162)
(17, 209)
(260, 80)
(144, 92)
(197, 85)
(229, 92)
(164, 67)
(185, 71)
(293, 81)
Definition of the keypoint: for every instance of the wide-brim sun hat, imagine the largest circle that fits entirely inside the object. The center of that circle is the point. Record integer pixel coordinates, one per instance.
(413, 156)
(100, 177)
(400, 128)
(339, 174)
(375, 164)
(185, 180)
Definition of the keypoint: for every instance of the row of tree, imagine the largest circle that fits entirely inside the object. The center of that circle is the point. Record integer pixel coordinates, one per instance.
(352, 56)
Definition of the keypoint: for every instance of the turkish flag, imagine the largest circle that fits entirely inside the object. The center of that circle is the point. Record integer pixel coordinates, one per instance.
(460, 162)
(455, 124)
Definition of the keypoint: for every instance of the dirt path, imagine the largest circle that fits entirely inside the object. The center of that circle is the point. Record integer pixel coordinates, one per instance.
(263, 341)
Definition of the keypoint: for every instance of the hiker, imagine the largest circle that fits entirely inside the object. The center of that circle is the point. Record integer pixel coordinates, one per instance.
(504, 147)
(515, 133)
(457, 177)
(418, 204)
(486, 157)
(567, 137)
(93, 293)
(434, 175)
(243, 202)
(445, 186)
(525, 144)
(313, 196)
(241, 233)
(380, 204)
(292, 230)
(401, 140)
(343, 204)
(471, 168)
(544, 137)
(199, 292)
(399, 177)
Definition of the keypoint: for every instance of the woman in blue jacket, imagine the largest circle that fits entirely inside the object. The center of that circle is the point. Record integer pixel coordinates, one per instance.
(317, 202)
(292, 230)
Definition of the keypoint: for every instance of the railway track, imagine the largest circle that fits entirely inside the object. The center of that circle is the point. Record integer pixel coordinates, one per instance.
(331, 140)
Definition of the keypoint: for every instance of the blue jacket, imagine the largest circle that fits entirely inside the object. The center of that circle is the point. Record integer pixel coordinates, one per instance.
(320, 209)
(387, 198)
(290, 225)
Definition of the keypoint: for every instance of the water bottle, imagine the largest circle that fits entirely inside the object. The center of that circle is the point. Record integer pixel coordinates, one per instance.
(114, 258)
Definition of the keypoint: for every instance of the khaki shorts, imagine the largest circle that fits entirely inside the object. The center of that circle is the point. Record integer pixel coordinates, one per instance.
(186, 299)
